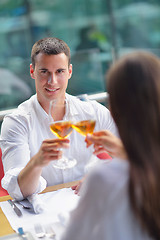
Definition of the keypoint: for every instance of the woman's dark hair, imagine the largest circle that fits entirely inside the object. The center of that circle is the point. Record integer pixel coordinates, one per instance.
(134, 94)
(50, 46)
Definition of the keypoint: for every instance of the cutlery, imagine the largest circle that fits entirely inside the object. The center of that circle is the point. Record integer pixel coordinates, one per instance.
(40, 233)
(49, 231)
(15, 208)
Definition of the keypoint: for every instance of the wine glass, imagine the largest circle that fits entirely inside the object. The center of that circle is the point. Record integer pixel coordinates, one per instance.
(61, 129)
(87, 126)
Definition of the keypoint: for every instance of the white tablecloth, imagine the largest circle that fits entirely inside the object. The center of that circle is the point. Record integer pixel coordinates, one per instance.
(58, 205)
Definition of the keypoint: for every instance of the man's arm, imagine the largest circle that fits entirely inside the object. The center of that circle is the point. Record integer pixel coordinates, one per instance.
(23, 170)
(28, 178)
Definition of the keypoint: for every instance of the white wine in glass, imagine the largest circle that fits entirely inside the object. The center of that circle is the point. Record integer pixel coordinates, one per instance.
(61, 129)
(84, 127)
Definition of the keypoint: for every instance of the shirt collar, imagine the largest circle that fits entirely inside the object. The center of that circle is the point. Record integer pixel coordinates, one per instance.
(40, 112)
(71, 108)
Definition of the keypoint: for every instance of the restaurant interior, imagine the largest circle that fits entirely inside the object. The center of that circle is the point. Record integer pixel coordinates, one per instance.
(98, 32)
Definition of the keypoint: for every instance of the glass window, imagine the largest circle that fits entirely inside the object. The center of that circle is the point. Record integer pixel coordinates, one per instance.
(97, 31)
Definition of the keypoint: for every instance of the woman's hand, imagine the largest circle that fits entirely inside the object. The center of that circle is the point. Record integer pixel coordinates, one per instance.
(105, 141)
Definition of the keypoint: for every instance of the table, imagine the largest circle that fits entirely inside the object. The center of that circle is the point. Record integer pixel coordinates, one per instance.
(5, 227)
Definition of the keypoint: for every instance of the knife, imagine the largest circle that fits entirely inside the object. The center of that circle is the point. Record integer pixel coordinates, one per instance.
(15, 208)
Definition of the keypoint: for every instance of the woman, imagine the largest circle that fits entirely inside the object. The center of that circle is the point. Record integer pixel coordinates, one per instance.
(121, 200)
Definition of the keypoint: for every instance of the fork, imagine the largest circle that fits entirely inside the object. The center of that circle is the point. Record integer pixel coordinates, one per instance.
(49, 231)
(40, 233)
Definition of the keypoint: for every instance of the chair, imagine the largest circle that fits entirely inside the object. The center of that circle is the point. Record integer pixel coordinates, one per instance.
(3, 192)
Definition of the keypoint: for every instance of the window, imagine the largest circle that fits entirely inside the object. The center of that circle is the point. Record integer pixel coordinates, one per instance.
(97, 31)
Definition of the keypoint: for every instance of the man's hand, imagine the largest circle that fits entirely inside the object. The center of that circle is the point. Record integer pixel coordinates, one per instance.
(106, 141)
(28, 178)
(50, 150)
(77, 187)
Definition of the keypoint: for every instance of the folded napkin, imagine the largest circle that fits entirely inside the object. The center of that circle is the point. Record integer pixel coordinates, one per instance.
(37, 204)
(63, 217)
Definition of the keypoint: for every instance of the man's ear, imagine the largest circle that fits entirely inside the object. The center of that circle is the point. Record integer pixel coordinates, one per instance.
(70, 71)
(32, 71)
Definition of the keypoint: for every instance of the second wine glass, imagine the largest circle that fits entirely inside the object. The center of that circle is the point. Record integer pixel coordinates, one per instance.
(85, 127)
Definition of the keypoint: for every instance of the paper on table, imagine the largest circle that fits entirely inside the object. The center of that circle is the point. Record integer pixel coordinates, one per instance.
(57, 203)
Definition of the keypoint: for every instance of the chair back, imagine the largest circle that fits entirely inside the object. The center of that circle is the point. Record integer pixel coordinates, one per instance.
(3, 192)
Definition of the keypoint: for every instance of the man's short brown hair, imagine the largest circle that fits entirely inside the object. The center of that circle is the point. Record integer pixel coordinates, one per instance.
(50, 46)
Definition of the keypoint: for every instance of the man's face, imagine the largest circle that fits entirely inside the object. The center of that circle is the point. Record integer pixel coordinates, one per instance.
(51, 74)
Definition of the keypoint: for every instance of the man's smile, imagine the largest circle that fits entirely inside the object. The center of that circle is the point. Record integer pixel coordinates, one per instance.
(52, 89)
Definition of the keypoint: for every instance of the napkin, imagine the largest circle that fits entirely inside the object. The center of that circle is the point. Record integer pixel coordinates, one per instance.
(63, 217)
(37, 204)
(56, 211)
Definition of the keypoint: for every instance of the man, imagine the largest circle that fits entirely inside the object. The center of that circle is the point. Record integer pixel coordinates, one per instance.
(28, 146)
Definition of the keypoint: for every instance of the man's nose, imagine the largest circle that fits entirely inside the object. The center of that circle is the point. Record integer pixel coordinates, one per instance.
(52, 78)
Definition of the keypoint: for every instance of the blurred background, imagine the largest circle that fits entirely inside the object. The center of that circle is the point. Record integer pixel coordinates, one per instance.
(97, 31)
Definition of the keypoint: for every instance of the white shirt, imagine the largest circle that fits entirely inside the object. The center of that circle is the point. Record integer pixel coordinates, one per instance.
(24, 130)
(104, 210)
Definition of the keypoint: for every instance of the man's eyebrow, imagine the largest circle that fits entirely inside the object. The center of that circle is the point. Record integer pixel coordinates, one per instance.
(43, 69)
(61, 69)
